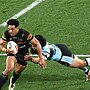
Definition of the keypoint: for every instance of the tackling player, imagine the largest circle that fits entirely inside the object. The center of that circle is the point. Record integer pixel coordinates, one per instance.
(61, 54)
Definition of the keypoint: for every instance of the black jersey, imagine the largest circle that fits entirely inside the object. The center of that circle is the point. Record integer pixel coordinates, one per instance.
(22, 38)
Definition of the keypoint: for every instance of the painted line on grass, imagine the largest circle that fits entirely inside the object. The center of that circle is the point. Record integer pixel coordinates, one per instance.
(35, 55)
(29, 7)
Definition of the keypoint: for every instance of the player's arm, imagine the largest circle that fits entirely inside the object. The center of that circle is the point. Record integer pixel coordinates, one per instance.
(36, 44)
(34, 59)
(2, 46)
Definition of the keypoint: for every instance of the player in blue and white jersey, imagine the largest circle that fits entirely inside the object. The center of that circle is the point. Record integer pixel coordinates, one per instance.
(61, 54)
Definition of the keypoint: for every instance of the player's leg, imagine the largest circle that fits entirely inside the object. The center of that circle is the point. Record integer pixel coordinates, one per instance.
(88, 63)
(80, 63)
(85, 69)
(19, 67)
(16, 74)
(75, 62)
(68, 58)
(3, 79)
(9, 67)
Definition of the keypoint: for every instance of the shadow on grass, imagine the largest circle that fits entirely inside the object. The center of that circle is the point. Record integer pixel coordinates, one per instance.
(53, 77)
(53, 82)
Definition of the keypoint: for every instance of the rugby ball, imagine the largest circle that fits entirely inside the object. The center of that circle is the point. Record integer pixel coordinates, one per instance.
(13, 46)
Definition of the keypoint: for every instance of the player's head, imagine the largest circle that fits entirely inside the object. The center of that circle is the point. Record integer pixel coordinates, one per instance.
(41, 39)
(12, 26)
(13, 22)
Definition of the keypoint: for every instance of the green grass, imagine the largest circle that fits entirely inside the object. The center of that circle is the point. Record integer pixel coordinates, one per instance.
(54, 77)
(60, 21)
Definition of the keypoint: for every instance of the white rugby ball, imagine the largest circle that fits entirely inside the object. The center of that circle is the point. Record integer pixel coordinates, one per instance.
(13, 46)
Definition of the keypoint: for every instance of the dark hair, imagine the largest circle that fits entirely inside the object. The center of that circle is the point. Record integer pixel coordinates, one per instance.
(13, 22)
(41, 39)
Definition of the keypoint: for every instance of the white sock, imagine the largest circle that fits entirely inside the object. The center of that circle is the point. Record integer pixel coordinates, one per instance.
(88, 61)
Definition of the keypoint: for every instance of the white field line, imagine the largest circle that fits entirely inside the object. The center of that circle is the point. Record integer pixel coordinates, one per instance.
(29, 7)
(82, 55)
(35, 55)
(35, 3)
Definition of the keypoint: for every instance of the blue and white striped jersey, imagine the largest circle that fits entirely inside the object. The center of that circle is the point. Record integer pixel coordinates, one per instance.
(51, 48)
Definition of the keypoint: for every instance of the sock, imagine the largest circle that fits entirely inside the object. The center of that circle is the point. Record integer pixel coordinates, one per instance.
(15, 77)
(87, 61)
(3, 79)
(85, 69)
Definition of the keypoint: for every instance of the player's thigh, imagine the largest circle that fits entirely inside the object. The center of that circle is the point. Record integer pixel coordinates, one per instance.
(19, 68)
(10, 61)
(66, 60)
(78, 62)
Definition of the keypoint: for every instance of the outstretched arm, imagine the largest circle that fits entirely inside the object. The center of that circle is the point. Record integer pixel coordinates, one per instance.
(33, 59)
(36, 44)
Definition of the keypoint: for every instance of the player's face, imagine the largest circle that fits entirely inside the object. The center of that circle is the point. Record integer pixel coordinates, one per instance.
(12, 30)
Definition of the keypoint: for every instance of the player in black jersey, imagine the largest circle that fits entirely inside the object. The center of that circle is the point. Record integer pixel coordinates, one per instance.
(23, 40)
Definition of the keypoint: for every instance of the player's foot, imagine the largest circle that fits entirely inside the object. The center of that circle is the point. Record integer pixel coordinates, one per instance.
(88, 76)
(11, 85)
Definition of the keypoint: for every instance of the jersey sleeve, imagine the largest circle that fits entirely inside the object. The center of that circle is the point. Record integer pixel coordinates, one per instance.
(46, 52)
(27, 36)
(30, 37)
(5, 36)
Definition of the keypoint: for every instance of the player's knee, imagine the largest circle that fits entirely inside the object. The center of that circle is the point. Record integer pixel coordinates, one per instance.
(8, 70)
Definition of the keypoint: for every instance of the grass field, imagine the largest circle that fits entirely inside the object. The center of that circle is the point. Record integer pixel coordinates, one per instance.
(60, 21)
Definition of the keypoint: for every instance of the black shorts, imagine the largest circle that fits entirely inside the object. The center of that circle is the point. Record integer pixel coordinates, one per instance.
(20, 58)
(65, 52)
(64, 49)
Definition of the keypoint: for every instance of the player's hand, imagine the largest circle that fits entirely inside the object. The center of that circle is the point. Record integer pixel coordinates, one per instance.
(27, 57)
(10, 51)
(42, 63)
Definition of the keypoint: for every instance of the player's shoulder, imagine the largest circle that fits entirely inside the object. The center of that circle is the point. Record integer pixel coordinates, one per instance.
(25, 34)
(23, 30)
(5, 34)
